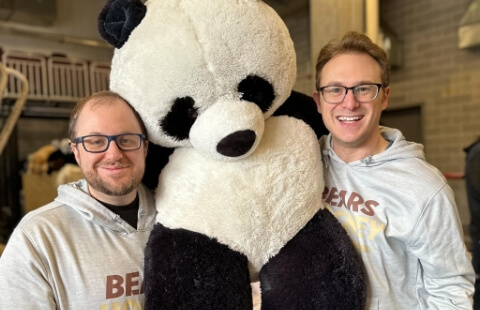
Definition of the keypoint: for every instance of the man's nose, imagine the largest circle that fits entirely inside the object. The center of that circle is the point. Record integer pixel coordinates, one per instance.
(113, 150)
(350, 102)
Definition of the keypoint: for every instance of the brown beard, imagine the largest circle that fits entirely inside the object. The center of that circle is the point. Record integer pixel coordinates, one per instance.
(104, 187)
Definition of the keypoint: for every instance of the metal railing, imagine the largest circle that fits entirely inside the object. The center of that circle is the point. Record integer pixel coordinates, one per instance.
(34, 68)
(55, 78)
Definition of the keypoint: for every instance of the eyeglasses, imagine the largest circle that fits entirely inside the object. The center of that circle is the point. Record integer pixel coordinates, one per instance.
(362, 93)
(100, 143)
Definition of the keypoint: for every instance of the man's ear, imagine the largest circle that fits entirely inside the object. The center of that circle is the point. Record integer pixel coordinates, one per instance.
(75, 152)
(316, 97)
(146, 148)
(386, 93)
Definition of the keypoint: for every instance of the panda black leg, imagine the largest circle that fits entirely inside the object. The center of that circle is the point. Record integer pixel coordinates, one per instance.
(187, 270)
(318, 269)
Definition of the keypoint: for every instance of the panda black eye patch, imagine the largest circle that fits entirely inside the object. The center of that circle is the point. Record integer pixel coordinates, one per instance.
(180, 119)
(258, 90)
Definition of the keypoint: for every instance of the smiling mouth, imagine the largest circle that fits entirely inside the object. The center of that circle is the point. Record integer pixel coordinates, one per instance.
(349, 119)
(114, 167)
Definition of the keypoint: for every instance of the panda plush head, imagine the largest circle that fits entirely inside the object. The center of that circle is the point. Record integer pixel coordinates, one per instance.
(202, 66)
(241, 196)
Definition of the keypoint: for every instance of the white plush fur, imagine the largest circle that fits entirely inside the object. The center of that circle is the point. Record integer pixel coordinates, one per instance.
(256, 202)
(254, 205)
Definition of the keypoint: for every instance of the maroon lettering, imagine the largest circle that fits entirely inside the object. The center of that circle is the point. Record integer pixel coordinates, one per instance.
(369, 204)
(131, 284)
(354, 201)
(325, 192)
(332, 197)
(343, 194)
(114, 286)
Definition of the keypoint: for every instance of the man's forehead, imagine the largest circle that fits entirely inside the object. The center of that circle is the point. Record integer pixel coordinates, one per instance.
(95, 103)
(347, 66)
(103, 110)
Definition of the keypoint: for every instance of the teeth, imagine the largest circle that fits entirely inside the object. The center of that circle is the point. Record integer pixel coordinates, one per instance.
(348, 118)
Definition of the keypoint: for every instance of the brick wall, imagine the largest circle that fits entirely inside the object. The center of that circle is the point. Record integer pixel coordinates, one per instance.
(444, 79)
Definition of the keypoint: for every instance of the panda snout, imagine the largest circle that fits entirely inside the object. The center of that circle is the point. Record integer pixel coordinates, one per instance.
(237, 143)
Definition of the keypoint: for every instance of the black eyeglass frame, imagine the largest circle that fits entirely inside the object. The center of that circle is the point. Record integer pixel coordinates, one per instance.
(379, 86)
(109, 139)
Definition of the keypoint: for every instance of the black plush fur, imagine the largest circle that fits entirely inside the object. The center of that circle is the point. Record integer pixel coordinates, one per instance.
(118, 18)
(157, 158)
(185, 270)
(303, 107)
(318, 269)
(257, 90)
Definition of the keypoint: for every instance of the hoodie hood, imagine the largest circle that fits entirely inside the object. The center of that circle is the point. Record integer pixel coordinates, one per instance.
(77, 196)
(399, 149)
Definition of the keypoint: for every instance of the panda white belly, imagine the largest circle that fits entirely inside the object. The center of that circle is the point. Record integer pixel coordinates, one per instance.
(254, 205)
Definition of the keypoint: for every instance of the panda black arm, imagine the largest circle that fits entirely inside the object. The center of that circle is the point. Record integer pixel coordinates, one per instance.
(157, 158)
(303, 107)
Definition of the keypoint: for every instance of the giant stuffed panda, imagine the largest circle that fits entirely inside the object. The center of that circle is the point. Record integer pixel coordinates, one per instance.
(240, 198)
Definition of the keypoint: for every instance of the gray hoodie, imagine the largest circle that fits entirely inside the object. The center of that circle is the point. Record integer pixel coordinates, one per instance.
(76, 254)
(402, 217)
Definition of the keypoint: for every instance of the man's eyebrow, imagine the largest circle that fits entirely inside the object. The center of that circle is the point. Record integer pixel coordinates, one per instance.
(336, 83)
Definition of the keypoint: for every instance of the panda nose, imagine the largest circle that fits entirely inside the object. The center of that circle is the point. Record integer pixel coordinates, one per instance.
(237, 143)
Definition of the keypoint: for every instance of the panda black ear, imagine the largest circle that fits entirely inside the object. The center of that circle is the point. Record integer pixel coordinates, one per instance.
(118, 18)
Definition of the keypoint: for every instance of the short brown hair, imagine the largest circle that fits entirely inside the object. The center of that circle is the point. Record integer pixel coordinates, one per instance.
(100, 97)
(357, 43)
